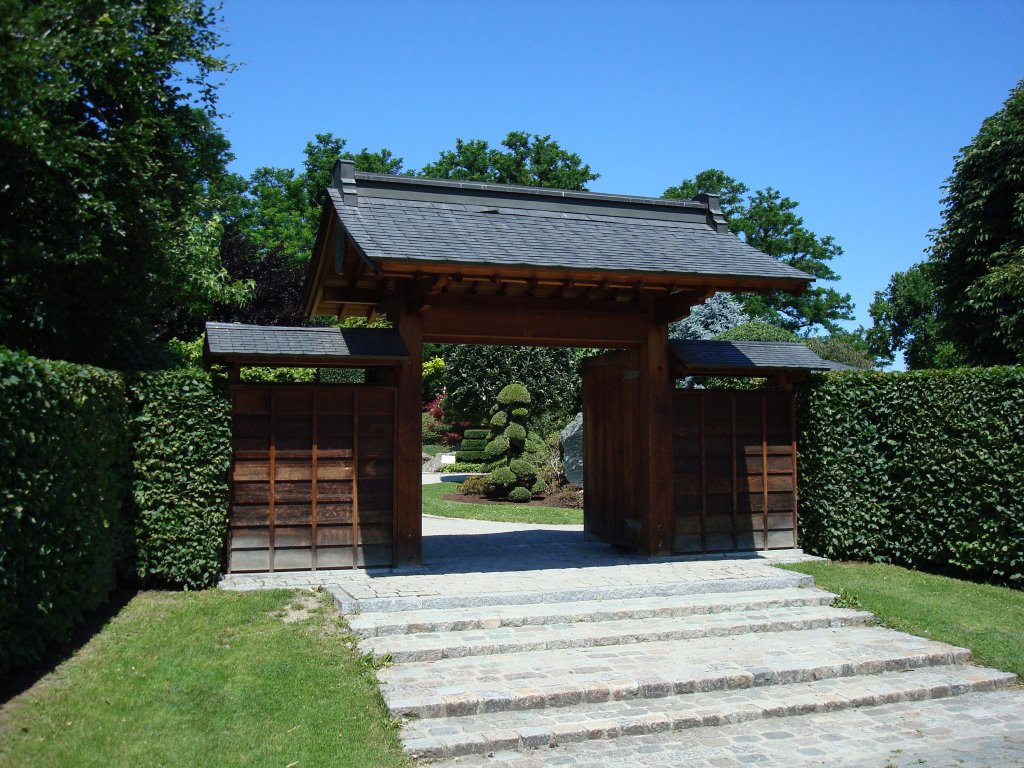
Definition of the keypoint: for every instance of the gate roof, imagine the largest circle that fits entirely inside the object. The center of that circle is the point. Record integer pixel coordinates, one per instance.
(464, 238)
(237, 344)
(748, 358)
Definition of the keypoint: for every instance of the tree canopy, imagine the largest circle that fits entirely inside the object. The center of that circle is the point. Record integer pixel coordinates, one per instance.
(705, 321)
(535, 161)
(108, 153)
(978, 252)
(768, 221)
(906, 318)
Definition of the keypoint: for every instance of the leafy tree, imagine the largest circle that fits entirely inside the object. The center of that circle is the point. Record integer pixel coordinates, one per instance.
(108, 154)
(281, 207)
(978, 252)
(847, 347)
(768, 221)
(537, 161)
(705, 321)
(906, 318)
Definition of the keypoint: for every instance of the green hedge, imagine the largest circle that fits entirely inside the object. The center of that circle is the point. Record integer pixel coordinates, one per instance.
(64, 464)
(182, 434)
(924, 469)
(471, 456)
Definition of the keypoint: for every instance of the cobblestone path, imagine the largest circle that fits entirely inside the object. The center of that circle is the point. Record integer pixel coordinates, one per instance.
(525, 646)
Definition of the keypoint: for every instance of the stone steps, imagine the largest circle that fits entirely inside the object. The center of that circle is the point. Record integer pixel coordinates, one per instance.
(433, 646)
(567, 677)
(970, 731)
(527, 729)
(380, 624)
(776, 579)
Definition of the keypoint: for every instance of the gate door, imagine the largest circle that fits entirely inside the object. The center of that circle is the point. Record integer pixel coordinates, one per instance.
(312, 477)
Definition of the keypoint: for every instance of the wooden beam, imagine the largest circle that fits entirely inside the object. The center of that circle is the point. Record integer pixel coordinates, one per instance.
(499, 324)
(408, 509)
(354, 295)
(486, 303)
(677, 305)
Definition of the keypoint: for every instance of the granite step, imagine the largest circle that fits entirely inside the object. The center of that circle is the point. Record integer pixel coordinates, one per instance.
(526, 729)
(777, 579)
(496, 616)
(974, 730)
(565, 677)
(433, 646)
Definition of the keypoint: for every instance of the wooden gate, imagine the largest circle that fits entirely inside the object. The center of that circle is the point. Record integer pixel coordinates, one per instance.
(734, 470)
(312, 477)
(611, 430)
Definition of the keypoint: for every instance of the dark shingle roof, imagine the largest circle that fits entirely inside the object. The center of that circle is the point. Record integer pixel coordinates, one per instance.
(749, 356)
(570, 232)
(233, 341)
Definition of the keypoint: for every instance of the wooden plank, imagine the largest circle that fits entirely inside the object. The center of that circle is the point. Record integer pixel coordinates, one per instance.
(655, 436)
(314, 478)
(703, 480)
(764, 464)
(271, 485)
(355, 481)
(407, 483)
(735, 459)
(792, 427)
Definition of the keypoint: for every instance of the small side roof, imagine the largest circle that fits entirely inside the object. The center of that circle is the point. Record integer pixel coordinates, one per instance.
(323, 347)
(749, 358)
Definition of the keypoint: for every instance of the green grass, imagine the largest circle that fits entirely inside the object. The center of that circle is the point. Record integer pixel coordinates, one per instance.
(433, 450)
(434, 504)
(206, 678)
(989, 620)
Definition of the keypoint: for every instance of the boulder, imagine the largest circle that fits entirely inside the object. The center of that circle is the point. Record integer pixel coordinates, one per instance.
(570, 444)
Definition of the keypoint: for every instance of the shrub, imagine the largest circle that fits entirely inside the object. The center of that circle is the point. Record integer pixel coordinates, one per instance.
(519, 495)
(520, 414)
(473, 445)
(476, 434)
(502, 479)
(923, 469)
(499, 419)
(497, 447)
(182, 432)
(515, 434)
(64, 481)
(477, 486)
(469, 456)
(539, 487)
(524, 470)
(514, 394)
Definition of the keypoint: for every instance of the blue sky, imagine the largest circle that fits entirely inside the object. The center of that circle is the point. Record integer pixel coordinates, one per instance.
(853, 109)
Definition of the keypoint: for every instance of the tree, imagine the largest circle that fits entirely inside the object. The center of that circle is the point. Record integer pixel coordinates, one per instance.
(978, 252)
(906, 319)
(705, 321)
(475, 374)
(768, 221)
(281, 207)
(108, 153)
(536, 161)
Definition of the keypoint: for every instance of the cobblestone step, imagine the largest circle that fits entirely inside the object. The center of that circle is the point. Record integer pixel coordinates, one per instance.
(350, 600)
(434, 646)
(522, 730)
(974, 730)
(558, 678)
(495, 616)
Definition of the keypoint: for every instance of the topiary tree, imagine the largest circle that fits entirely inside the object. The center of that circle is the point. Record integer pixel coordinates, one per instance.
(515, 478)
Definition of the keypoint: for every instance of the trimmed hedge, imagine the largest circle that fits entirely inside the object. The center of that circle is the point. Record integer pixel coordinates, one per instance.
(64, 478)
(182, 434)
(924, 469)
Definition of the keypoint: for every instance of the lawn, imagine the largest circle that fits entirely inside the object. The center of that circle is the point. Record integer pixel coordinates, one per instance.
(434, 504)
(207, 678)
(989, 620)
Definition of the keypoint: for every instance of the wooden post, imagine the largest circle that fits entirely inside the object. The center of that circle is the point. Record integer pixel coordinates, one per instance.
(658, 525)
(408, 506)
